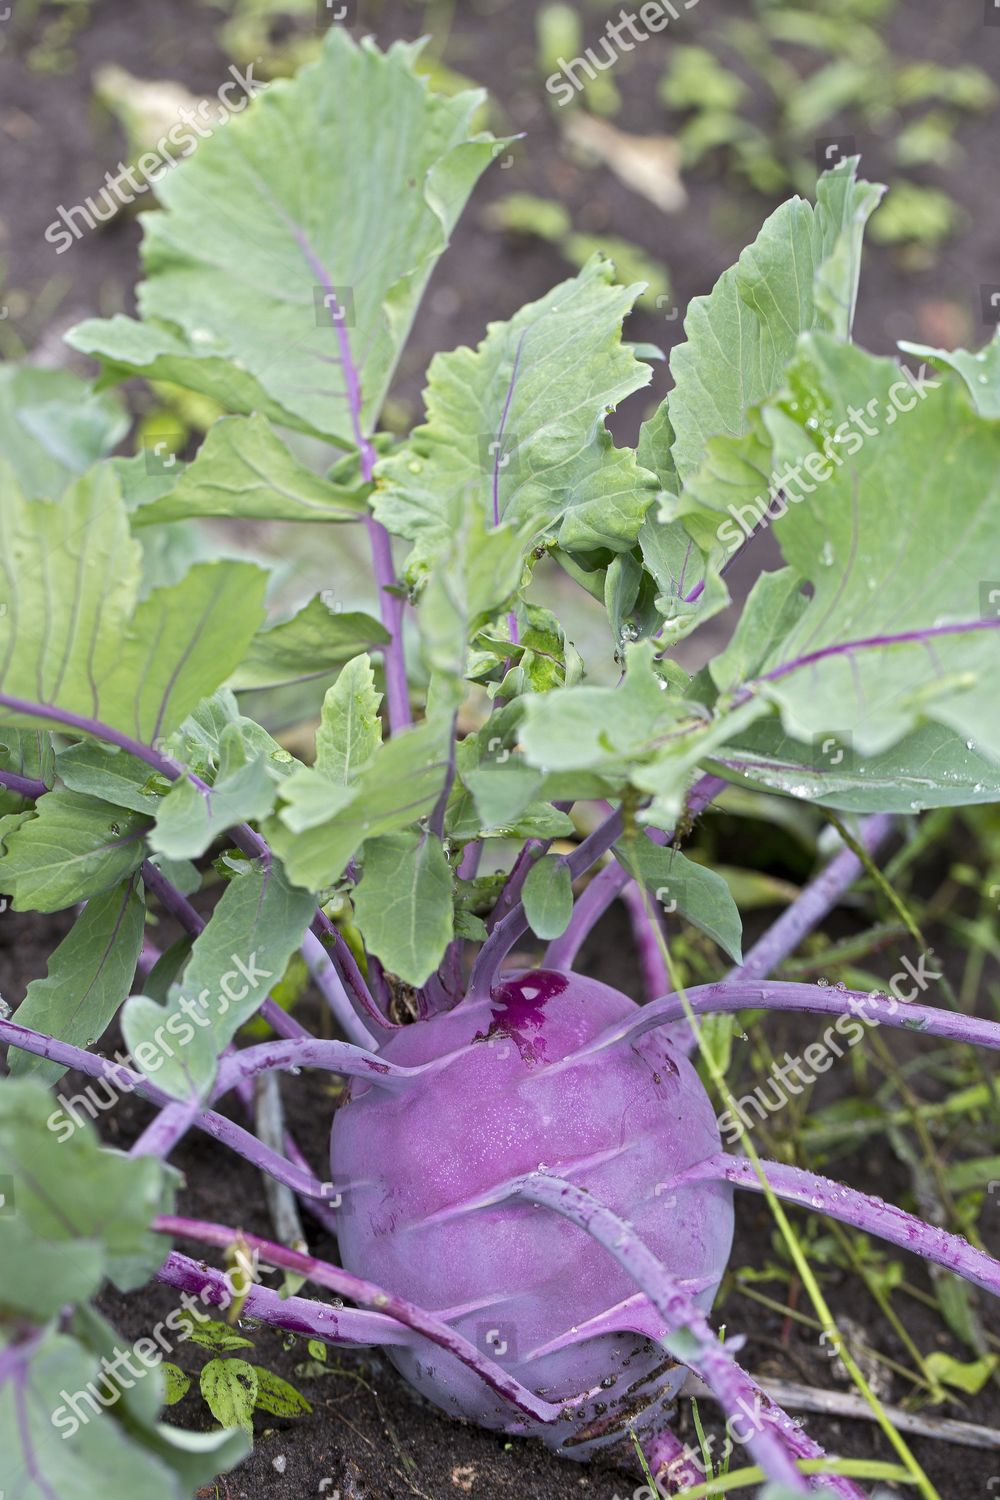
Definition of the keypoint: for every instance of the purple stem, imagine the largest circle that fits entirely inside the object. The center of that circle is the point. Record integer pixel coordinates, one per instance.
(676, 1306)
(321, 1212)
(648, 933)
(510, 928)
(745, 994)
(24, 786)
(671, 1462)
(368, 1295)
(324, 972)
(588, 910)
(323, 928)
(310, 1052)
(812, 904)
(148, 959)
(344, 1326)
(397, 692)
(98, 730)
(168, 1129)
(860, 1210)
(932, 632)
(613, 879)
(390, 604)
(127, 1081)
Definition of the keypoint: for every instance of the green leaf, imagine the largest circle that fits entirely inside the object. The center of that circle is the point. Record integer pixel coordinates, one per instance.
(929, 767)
(278, 1398)
(183, 642)
(71, 634)
(899, 628)
(502, 790)
(209, 1333)
(73, 848)
(27, 753)
(244, 469)
(515, 429)
(772, 608)
(311, 644)
(73, 1212)
(476, 572)
(89, 977)
(177, 1384)
(980, 371)
(688, 889)
(403, 904)
(969, 1377)
(53, 427)
(800, 273)
(189, 820)
(48, 1451)
(290, 225)
(548, 897)
(256, 926)
(230, 1388)
(319, 825)
(602, 728)
(112, 775)
(350, 730)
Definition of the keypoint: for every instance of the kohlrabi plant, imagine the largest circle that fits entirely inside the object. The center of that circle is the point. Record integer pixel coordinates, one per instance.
(527, 1180)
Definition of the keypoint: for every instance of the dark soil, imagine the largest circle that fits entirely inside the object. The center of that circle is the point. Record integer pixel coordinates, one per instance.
(369, 1437)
